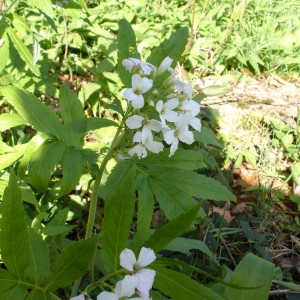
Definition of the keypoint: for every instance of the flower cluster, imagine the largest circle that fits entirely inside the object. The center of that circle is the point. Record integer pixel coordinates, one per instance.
(140, 279)
(163, 107)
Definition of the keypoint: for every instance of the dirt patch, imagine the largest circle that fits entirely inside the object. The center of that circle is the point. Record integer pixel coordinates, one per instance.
(259, 96)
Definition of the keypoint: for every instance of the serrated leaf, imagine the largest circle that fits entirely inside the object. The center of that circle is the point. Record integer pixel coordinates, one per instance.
(43, 161)
(71, 170)
(8, 120)
(73, 116)
(178, 286)
(207, 136)
(181, 159)
(119, 206)
(7, 159)
(71, 264)
(23, 51)
(96, 123)
(4, 51)
(251, 271)
(39, 267)
(45, 6)
(14, 237)
(36, 294)
(172, 47)
(126, 48)
(185, 245)
(33, 111)
(164, 235)
(10, 288)
(144, 214)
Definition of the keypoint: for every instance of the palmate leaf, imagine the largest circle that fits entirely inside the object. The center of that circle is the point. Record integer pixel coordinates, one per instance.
(251, 271)
(71, 170)
(39, 267)
(23, 51)
(73, 116)
(34, 111)
(71, 264)
(126, 48)
(10, 288)
(145, 212)
(119, 206)
(8, 120)
(4, 50)
(172, 47)
(178, 286)
(43, 161)
(14, 237)
(164, 235)
(36, 294)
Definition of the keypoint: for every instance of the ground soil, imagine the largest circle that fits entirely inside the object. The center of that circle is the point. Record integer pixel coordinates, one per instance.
(260, 95)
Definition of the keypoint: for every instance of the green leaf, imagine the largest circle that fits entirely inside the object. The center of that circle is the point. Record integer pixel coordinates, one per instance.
(6, 159)
(14, 237)
(4, 51)
(126, 48)
(185, 245)
(39, 267)
(207, 136)
(49, 230)
(9, 287)
(145, 212)
(23, 51)
(36, 294)
(119, 206)
(71, 264)
(71, 170)
(178, 286)
(33, 111)
(8, 120)
(251, 271)
(172, 47)
(45, 6)
(73, 116)
(181, 159)
(43, 161)
(164, 235)
(96, 123)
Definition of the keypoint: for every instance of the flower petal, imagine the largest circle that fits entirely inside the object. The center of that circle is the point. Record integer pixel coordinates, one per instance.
(107, 296)
(126, 287)
(127, 259)
(134, 122)
(145, 282)
(174, 147)
(141, 151)
(186, 137)
(138, 102)
(146, 257)
(154, 146)
(169, 136)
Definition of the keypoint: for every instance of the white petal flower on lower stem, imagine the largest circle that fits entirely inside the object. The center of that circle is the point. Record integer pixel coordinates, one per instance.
(180, 133)
(145, 277)
(141, 149)
(140, 85)
(124, 289)
(189, 106)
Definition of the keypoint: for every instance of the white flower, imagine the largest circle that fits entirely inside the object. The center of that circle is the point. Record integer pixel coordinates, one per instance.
(165, 66)
(134, 62)
(136, 121)
(139, 86)
(191, 108)
(145, 277)
(181, 133)
(124, 289)
(165, 110)
(184, 88)
(141, 149)
(81, 297)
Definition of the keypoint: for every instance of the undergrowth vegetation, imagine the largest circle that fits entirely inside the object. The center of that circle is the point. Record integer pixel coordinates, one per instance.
(113, 182)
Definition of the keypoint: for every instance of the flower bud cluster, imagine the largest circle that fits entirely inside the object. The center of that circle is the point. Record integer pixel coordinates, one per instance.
(163, 107)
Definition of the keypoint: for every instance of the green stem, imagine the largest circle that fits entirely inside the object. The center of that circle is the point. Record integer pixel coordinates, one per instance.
(95, 190)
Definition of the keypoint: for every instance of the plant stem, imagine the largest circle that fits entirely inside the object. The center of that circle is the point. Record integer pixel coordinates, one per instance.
(95, 190)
